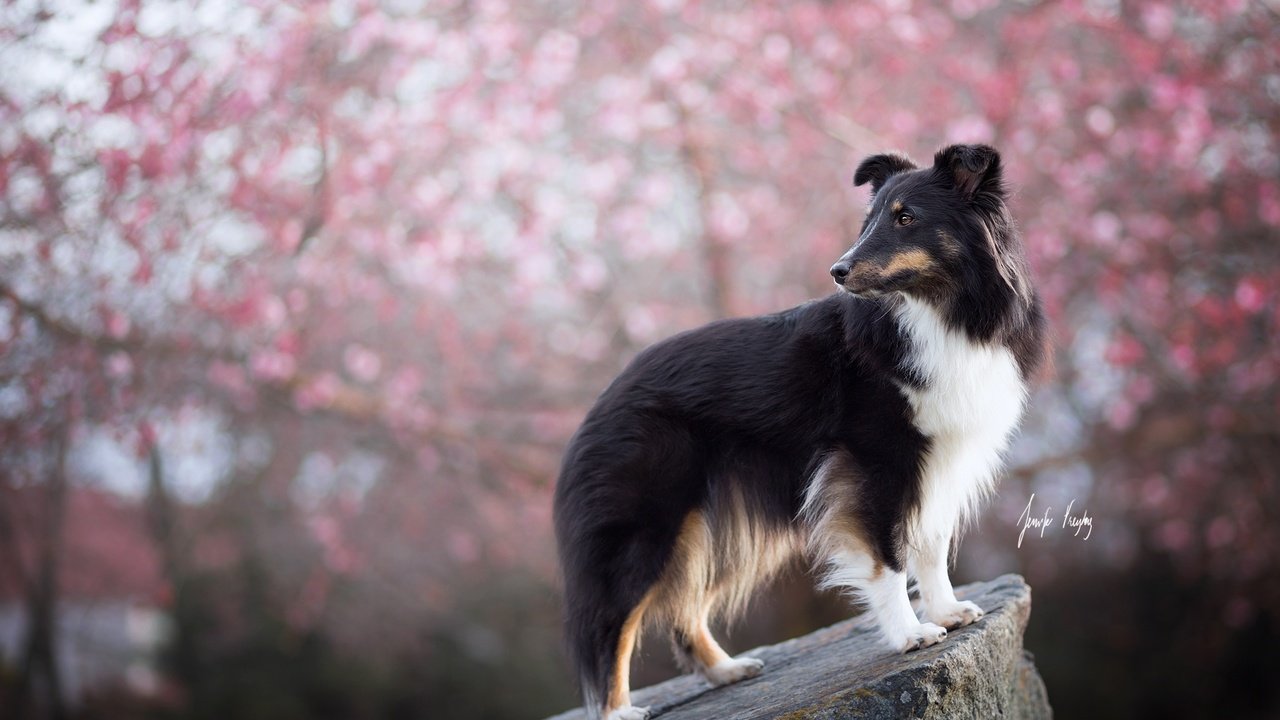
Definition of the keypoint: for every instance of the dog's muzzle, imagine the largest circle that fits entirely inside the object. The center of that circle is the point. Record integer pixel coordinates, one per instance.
(862, 283)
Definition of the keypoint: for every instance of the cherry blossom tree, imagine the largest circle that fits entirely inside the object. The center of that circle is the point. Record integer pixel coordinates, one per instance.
(378, 257)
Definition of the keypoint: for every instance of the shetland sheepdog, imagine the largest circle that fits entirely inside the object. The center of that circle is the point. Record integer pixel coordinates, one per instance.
(860, 431)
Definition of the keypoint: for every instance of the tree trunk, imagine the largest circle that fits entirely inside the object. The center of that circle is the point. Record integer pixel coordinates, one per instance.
(163, 525)
(714, 252)
(39, 677)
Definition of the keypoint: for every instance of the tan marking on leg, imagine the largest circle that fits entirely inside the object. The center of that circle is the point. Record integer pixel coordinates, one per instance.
(719, 561)
(837, 543)
(705, 648)
(692, 544)
(620, 683)
(683, 580)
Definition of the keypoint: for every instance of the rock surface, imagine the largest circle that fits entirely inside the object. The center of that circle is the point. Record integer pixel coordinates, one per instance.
(843, 671)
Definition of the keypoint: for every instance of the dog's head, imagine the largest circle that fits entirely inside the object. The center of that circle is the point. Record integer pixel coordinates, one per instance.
(931, 230)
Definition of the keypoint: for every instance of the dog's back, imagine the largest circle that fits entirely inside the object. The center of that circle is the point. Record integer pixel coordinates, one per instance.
(722, 453)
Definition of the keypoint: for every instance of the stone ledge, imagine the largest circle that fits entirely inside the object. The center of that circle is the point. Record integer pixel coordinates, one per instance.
(843, 671)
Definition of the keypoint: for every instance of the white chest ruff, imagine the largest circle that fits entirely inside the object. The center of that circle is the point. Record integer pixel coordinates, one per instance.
(971, 403)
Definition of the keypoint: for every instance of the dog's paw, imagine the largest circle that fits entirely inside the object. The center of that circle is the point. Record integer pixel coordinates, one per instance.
(921, 636)
(629, 712)
(954, 615)
(731, 671)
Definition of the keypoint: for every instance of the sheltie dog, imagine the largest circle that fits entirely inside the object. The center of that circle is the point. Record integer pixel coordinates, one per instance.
(861, 431)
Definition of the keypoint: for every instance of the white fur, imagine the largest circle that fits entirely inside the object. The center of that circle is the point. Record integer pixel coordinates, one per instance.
(847, 563)
(972, 401)
(629, 712)
(886, 598)
(969, 408)
(733, 670)
(843, 558)
(954, 614)
(849, 568)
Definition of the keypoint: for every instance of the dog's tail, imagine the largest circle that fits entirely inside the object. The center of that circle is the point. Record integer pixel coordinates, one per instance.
(605, 595)
(591, 645)
(603, 615)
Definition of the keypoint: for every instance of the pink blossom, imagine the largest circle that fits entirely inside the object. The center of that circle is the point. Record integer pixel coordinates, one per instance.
(1251, 294)
(363, 363)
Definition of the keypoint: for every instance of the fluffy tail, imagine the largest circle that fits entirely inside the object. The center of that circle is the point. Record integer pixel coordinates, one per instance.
(606, 593)
(614, 543)
(604, 607)
(590, 652)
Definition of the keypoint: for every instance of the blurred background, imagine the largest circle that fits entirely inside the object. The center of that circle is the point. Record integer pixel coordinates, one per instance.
(300, 302)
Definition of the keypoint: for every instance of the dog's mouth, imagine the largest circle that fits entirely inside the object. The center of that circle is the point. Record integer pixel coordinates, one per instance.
(862, 291)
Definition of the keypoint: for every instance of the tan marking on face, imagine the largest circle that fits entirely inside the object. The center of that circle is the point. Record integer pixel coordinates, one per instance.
(620, 687)
(896, 207)
(864, 273)
(917, 260)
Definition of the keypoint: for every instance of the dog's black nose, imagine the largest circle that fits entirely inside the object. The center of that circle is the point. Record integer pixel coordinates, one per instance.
(840, 271)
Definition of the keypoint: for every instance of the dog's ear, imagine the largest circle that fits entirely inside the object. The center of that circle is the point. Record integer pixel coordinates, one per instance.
(978, 176)
(879, 168)
(973, 168)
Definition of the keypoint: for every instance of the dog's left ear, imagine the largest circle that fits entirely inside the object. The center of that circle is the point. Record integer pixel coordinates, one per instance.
(974, 169)
(879, 168)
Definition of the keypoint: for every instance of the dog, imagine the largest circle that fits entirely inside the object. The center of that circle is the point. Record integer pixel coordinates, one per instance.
(861, 431)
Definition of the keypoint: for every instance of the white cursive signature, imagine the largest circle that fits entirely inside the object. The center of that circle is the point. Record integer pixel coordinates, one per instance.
(1077, 522)
(1027, 520)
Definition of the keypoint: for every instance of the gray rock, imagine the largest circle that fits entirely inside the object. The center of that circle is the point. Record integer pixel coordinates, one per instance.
(843, 671)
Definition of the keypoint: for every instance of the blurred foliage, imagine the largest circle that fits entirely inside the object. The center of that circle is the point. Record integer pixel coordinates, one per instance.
(319, 290)
(1136, 643)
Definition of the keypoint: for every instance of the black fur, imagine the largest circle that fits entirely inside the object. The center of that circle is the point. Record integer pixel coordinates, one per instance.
(877, 168)
(962, 195)
(760, 403)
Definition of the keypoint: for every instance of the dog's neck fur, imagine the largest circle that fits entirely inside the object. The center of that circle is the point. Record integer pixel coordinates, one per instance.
(997, 308)
(988, 316)
(968, 402)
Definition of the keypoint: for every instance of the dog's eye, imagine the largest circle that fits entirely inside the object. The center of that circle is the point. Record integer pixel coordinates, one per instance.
(905, 218)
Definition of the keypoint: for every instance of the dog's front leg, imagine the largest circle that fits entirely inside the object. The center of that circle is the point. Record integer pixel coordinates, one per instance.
(937, 598)
(886, 597)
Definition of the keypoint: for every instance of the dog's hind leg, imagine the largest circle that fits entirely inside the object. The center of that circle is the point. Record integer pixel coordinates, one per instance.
(606, 605)
(699, 651)
(617, 704)
(678, 585)
(696, 578)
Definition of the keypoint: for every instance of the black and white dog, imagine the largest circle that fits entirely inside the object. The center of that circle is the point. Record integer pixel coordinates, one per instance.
(861, 430)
